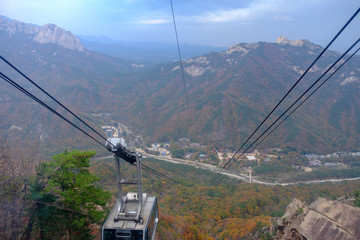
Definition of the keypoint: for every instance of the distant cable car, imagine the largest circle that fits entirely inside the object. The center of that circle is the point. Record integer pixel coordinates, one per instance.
(134, 216)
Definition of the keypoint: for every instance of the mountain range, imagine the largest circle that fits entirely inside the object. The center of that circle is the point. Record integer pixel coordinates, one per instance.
(150, 53)
(229, 92)
(232, 91)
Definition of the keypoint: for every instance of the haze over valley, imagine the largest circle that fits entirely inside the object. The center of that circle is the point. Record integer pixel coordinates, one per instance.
(188, 121)
(229, 92)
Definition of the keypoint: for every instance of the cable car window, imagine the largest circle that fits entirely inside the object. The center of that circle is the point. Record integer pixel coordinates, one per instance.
(109, 234)
(154, 218)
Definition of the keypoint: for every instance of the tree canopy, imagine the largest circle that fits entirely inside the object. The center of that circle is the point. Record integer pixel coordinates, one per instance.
(66, 201)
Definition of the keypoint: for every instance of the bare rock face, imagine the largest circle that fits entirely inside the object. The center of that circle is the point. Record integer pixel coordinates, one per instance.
(330, 220)
(294, 209)
(243, 48)
(282, 40)
(297, 43)
(11, 27)
(51, 33)
(322, 220)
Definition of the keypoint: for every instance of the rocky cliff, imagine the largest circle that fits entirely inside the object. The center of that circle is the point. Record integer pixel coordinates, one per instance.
(51, 33)
(48, 33)
(322, 220)
(297, 43)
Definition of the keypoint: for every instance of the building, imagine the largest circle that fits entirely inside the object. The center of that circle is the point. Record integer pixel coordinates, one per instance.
(251, 158)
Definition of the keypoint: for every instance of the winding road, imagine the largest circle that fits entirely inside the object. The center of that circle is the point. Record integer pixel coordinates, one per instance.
(240, 176)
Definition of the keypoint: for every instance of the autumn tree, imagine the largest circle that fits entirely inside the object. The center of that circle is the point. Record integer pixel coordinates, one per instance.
(66, 201)
(17, 164)
(176, 151)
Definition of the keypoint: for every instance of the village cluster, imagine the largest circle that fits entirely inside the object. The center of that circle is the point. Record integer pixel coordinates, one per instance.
(184, 148)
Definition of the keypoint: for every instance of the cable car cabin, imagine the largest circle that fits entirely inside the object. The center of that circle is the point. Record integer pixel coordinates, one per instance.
(120, 225)
(134, 216)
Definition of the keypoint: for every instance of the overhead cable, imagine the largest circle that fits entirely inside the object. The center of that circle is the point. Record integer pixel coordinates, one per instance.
(14, 84)
(309, 88)
(54, 99)
(290, 90)
(21, 89)
(267, 135)
(158, 173)
(307, 98)
(180, 58)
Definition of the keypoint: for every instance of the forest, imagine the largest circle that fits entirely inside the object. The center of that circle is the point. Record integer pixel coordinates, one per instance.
(55, 184)
(202, 206)
(37, 192)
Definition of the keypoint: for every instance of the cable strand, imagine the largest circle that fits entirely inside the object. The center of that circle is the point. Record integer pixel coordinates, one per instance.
(14, 84)
(296, 83)
(254, 147)
(180, 58)
(309, 88)
(53, 98)
(307, 98)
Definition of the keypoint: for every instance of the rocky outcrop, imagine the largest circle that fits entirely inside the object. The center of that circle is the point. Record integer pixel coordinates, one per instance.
(49, 33)
(12, 27)
(322, 220)
(297, 43)
(242, 48)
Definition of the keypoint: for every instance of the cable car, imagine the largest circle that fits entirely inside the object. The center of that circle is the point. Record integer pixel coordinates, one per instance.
(135, 216)
(123, 229)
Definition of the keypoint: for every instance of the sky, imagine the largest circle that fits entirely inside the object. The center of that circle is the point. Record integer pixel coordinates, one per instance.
(199, 22)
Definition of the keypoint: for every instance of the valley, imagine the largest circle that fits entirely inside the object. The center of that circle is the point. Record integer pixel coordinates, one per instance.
(242, 176)
(272, 166)
(229, 92)
(316, 153)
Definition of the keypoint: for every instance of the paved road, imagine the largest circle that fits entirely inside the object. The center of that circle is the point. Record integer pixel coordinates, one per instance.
(240, 176)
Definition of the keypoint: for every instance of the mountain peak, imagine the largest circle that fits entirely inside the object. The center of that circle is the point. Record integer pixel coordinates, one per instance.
(50, 33)
(296, 43)
(12, 27)
(282, 40)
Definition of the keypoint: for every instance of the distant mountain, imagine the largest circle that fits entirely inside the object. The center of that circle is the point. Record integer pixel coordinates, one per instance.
(229, 92)
(148, 52)
(98, 39)
(56, 60)
(49, 33)
(232, 91)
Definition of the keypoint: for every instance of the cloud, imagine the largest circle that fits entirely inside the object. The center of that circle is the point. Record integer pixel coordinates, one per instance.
(153, 21)
(256, 10)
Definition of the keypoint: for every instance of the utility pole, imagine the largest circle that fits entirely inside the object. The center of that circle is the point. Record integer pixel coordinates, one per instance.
(250, 177)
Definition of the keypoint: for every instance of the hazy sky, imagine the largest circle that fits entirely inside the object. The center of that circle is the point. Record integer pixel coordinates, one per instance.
(201, 22)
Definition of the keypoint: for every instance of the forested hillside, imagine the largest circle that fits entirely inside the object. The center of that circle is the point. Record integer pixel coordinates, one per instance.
(202, 206)
(232, 91)
(176, 126)
(229, 92)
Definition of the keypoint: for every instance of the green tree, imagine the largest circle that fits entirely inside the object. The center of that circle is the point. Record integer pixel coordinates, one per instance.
(357, 198)
(176, 151)
(66, 201)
